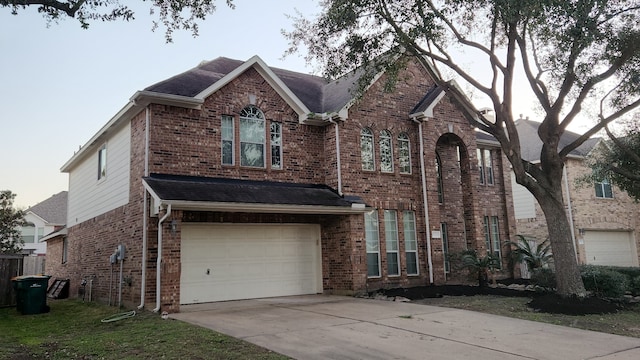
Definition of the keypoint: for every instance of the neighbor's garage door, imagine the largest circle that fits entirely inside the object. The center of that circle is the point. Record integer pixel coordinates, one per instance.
(230, 262)
(610, 248)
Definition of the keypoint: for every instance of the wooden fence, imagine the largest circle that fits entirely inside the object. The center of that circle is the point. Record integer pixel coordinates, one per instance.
(10, 266)
(33, 265)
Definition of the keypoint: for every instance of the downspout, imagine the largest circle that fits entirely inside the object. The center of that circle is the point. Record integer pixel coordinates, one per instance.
(159, 260)
(424, 201)
(570, 210)
(339, 167)
(145, 213)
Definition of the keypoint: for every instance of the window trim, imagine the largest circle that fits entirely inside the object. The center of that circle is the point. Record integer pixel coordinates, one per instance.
(491, 225)
(371, 219)
(391, 237)
(403, 141)
(65, 249)
(367, 134)
(487, 175)
(439, 179)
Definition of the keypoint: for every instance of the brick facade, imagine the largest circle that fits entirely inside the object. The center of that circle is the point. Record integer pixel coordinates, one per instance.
(188, 142)
(621, 213)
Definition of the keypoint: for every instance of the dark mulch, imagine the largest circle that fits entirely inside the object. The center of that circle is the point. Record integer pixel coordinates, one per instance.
(555, 304)
(540, 301)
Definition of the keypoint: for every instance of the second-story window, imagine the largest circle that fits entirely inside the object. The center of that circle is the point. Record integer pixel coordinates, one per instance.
(102, 162)
(276, 145)
(386, 152)
(485, 166)
(404, 153)
(603, 189)
(227, 140)
(366, 149)
(252, 137)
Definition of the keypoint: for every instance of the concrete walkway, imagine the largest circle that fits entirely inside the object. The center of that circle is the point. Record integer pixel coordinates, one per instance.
(337, 327)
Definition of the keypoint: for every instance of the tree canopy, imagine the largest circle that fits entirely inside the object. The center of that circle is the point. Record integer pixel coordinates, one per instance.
(173, 14)
(618, 160)
(10, 221)
(573, 53)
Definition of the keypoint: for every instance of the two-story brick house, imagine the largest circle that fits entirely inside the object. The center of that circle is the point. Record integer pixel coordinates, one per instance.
(605, 220)
(236, 180)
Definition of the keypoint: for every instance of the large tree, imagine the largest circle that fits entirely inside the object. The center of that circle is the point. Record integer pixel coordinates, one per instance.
(10, 221)
(571, 52)
(172, 14)
(618, 159)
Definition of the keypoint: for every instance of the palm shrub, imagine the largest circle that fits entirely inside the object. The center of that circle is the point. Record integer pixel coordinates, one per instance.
(534, 257)
(479, 266)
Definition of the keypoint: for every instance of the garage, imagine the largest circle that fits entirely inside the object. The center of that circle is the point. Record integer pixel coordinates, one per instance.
(244, 261)
(615, 248)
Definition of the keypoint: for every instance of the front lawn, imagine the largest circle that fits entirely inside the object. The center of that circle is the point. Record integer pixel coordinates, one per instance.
(73, 330)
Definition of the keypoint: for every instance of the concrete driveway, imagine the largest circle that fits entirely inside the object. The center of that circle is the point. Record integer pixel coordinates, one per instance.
(339, 327)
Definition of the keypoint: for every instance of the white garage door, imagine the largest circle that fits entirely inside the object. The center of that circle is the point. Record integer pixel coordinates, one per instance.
(231, 262)
(610, 248)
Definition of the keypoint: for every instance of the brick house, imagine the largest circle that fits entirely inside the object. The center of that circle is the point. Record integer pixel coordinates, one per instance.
(235, 180)
(605, 219)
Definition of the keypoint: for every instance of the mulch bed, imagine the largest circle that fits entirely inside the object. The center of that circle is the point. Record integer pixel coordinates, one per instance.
(540, 301)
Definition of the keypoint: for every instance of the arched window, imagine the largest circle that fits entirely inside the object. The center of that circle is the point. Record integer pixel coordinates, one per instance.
(386, 152)
(366, 149)
(252, 137)
(404, 154)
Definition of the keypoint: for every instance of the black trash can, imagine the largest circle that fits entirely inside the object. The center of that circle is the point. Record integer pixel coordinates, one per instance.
(31, 293)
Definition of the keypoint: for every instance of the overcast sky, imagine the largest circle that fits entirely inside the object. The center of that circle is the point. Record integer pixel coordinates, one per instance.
(59, 85)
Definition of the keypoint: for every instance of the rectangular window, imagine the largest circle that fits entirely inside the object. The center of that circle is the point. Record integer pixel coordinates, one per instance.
(65, 246)
(276, 145)
(391, 242)
(252, 138)
(480, 165)
(492, 237)
(488, 166)
(28, 234)
(373, 243)
(227, 140)
(40, 234)
(410, 242)
(485, 166)
(603, 189)
(404, 154)
(495, 236)
(102, 162)
(445, 246)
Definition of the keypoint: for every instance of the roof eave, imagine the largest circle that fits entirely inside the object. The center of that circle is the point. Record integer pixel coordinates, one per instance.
(264, 208)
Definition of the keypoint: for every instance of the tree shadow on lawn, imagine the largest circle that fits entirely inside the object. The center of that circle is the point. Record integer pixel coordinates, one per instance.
(546, 302)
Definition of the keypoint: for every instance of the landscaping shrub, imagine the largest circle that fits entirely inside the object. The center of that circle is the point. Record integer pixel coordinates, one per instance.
(603, 281)
(544, 278)
(634, 286)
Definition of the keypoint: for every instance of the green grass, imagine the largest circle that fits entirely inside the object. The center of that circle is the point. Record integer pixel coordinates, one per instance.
(625, 322)
(73, 330)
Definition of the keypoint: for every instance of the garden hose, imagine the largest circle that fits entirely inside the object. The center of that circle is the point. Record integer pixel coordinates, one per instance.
(120, 316)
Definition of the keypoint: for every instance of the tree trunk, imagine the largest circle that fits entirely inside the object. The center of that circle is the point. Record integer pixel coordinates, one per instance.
(568, 279)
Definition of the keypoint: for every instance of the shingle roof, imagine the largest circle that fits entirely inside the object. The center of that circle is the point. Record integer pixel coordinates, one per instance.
(53, 210)
(531, 145)
(428, 99)
(315, 92)
(222, 190)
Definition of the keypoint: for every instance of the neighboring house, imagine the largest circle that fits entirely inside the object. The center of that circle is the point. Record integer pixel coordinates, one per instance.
(267, 182)
(43, 219)
(605, 220)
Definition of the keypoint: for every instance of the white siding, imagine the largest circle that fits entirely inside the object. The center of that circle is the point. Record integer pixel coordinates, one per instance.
(523, 201)
(90, 197)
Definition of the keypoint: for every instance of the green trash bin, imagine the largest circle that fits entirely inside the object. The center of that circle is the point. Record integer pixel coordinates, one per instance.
(31, 293)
